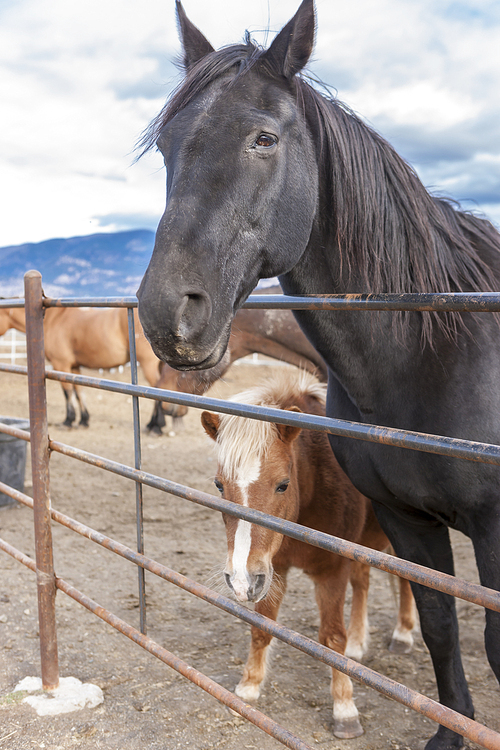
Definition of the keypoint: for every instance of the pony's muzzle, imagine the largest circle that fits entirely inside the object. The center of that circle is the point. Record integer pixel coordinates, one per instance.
(251, 590)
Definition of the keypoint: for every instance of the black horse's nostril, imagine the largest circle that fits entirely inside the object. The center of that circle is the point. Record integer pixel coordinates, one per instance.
(227, 578)
(193, 314)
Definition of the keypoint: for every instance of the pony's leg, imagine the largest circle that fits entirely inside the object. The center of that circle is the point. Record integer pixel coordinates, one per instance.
(330, 588)
(402, 638)
(357, 632)
(254, 672)
(425, 541)
(485, 535)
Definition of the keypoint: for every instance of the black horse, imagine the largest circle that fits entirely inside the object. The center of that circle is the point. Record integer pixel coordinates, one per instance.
(267, 177)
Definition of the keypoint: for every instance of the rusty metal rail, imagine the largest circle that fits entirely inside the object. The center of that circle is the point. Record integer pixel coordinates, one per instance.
(454, 447)
(448, 584)
(435, 302)
(47, 582)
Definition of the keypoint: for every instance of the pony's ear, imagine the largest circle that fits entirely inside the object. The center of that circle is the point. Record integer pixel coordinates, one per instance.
(211, 423)
(287, 432)
(292, 48)
(194, 43)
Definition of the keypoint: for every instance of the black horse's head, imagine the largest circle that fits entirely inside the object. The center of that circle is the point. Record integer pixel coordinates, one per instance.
(241, 188)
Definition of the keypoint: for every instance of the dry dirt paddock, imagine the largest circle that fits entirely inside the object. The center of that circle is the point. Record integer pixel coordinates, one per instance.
(146, 704)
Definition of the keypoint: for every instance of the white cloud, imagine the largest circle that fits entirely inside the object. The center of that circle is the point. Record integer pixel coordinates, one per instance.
(79, 82)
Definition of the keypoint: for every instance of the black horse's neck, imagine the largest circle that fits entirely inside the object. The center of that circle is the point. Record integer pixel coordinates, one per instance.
(379, 229)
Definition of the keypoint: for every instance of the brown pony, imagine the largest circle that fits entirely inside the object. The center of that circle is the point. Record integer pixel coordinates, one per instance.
(86, 337)
(274, 333)
(292, 474)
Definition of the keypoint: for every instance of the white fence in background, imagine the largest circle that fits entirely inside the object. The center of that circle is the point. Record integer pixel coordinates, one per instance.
(13, 346)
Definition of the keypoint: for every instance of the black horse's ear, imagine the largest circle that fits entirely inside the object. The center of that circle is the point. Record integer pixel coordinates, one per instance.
(194, 43)
(293, 46)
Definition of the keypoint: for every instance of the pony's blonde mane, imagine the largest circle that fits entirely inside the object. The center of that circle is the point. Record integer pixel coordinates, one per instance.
(241, 442)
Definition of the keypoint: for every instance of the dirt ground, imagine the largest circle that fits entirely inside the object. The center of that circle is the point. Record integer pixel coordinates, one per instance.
(146, 704)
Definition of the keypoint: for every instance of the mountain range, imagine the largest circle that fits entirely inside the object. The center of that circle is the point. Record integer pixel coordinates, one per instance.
(98, 265)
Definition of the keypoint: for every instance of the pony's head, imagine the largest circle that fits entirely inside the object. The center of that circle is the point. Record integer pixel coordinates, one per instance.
(240, 161)
(257, 468)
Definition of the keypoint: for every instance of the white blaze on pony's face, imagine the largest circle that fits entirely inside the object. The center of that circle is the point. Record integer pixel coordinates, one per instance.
(256, 470)
(245, 585)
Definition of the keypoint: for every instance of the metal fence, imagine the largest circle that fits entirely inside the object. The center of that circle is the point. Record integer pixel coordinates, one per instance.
(41, 446)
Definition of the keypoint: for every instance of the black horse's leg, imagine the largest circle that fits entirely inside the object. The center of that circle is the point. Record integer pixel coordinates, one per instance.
(485, 533)
(426, 541)
(157, 421)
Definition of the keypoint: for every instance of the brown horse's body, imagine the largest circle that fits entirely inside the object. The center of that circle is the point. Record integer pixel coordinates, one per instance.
(273, 333)
(293, 474)
(86, 337)
(98, 338)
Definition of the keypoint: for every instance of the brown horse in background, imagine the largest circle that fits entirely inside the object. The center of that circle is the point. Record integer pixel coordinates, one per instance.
(293, 474)
(98, 338)
(86, 337)
(273, 333)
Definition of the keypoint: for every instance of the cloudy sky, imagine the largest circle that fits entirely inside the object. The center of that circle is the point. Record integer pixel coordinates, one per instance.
(79, 81)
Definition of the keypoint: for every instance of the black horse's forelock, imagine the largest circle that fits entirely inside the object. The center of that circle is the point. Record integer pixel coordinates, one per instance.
(238, 58)
(386, 225)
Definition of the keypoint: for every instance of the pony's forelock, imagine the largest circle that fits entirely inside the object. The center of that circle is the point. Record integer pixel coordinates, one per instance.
(241, 441)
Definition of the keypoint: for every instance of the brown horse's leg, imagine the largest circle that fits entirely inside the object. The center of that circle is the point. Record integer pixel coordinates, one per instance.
(71, 403)
(157, 421)
(84, 414)
(330, 594)
(402, 639)
(255, 668)
(357, 632)
(78, 398)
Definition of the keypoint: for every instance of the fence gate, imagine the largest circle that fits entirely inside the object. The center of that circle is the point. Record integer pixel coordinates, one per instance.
(47, 582)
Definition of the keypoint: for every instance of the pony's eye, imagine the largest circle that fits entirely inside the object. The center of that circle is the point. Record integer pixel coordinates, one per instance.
(219, 485)
(282, 487)
(265, 140)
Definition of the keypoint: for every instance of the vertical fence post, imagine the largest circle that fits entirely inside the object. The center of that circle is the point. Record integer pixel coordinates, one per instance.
(138, 459)
(45, 577)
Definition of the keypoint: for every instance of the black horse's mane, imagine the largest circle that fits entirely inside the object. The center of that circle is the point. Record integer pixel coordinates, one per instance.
(386, 225)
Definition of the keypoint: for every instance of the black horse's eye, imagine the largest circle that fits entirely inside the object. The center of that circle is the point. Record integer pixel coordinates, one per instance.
(283, 486)
(219, 485)
(265, 140)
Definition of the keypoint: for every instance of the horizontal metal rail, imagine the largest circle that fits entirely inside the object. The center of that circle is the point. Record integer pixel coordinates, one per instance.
(392, 689)
(12, 302)
(432, 302)
(446, 446)
(428, 302)
(426, 576)
(436, 302)
(458, 587)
